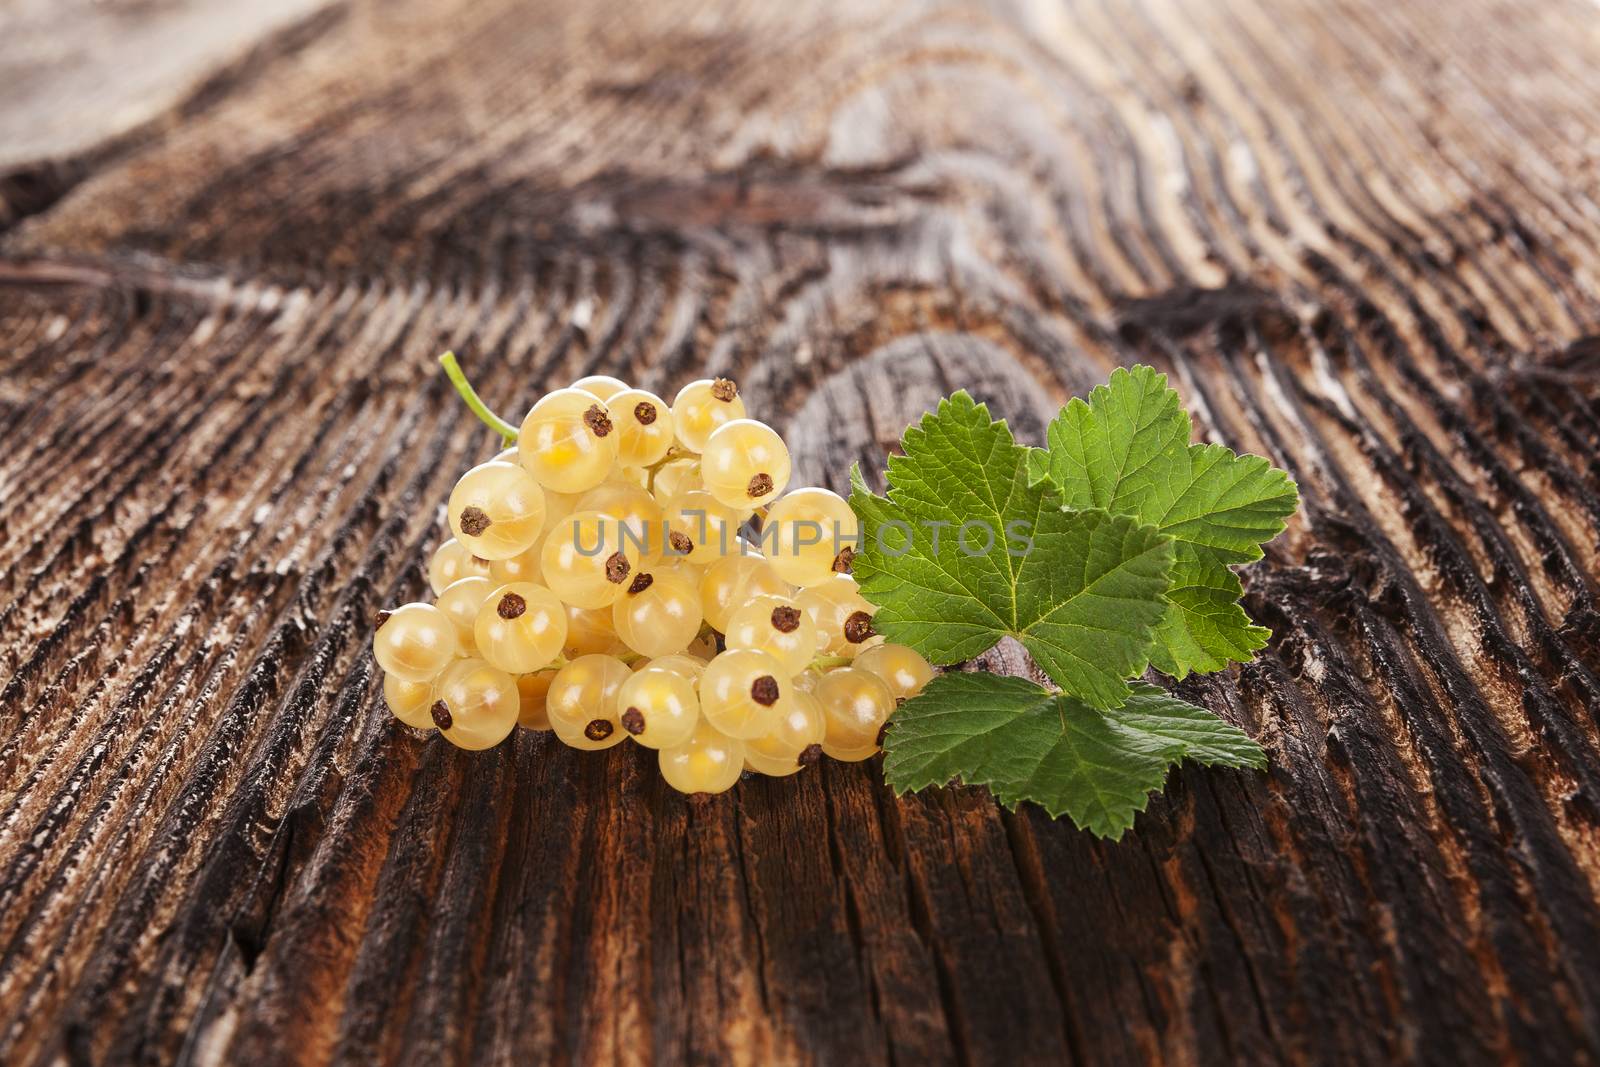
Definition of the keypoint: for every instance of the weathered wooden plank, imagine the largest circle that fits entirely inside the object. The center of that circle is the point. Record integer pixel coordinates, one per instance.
(86, 83)
(1360, 236)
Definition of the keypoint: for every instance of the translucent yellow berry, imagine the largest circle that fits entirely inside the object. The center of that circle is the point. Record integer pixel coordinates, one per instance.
(745, 464)
(452, 561)
(689, 665)
(409, 701)
(584, 561)
(461, 601)
(702, 529)
(732, 582)
(902, 668)
(414, 642)
(775, 625)
(658, 708)
(475, 705)
(496, 510)
(582, 702)
(642, 529)
(659, 613)
(520, 627)
(708, 762)
(743, 692)
(810, 535)
(601, 385)
(589, 633)
(568, 441)
(675, 477)
(855, 706)
(843, 616)
(644, 426)
(528, 565)
(702, 406)
(793, 742)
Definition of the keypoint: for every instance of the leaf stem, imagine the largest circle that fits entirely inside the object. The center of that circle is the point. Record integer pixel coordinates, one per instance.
(458, 378)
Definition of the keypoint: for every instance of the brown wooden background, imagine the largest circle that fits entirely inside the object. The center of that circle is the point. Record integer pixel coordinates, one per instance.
(1361, 234)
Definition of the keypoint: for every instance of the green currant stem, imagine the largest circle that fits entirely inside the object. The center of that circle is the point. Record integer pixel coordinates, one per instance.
(655, 468)
(672, 453)
(458, 378)
(827, 663)
(630, 658)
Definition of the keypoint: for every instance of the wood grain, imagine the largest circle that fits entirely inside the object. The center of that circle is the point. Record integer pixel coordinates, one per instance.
(1361, 235)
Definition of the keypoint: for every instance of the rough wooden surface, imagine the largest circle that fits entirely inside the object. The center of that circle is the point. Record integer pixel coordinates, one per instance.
(1361, 235)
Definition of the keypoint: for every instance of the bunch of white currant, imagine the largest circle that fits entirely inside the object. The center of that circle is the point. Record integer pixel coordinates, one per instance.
(602, 582)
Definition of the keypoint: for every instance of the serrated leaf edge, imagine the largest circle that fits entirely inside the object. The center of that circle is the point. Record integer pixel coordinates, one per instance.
(1109, 828)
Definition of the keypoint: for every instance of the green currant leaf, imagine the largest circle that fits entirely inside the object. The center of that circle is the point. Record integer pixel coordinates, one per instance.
(1127, 450)
(963, 551)
(1098, 767)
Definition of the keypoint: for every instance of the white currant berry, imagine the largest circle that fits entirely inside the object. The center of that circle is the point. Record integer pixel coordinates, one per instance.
(601, 385)
(732, 582)
(461, 601)
(584, 561)
(702, 406)
(708, 762)
(475, 705)
(582, 702)
(745, 464)
(743, 692)
(659, 613)
(702, 529)
(687, 664)
(528, 565)
(642, 533)
(496, 510)
(658, 708)
(414, 642)
(644, 426)
(453, 560)
(409, 701)
(855, 706)
(842, 615)
(590, 633)
(793, 742)
(525, 566)
(568, 441)
(810, 535)
(901, 667)
(775, 625)
(520, 627)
